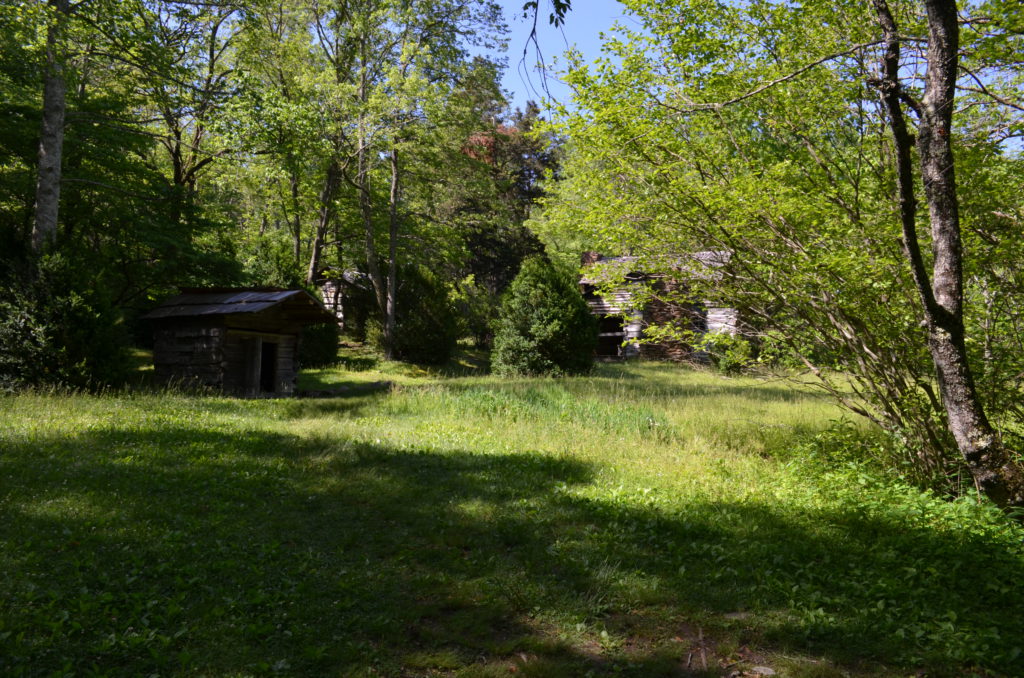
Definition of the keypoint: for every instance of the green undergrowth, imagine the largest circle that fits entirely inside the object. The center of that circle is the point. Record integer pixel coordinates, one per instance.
(643, 521)
(359, 363)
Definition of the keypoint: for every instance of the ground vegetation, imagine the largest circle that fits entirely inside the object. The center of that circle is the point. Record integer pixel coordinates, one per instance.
(645, 520)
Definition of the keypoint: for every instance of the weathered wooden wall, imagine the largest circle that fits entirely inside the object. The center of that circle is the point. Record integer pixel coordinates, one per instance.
(333, 299)
(189, 353)
(722, 319)
(683, 316)
(618, 341)
(698, 318)
(198, 353)
(287, 364)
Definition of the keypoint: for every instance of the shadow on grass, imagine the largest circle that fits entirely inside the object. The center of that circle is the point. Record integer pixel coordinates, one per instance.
(180, 551)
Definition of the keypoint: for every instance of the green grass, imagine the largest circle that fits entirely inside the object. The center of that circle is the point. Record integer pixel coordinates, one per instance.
(645, 521)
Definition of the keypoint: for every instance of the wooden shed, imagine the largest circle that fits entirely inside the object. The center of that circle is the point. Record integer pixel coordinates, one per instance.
(239, 341)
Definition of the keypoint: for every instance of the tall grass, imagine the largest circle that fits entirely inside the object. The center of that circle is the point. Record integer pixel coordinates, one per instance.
(644, 521)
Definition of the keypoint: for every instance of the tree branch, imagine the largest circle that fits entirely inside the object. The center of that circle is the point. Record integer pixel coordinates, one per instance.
(768, 85)
(982, 89)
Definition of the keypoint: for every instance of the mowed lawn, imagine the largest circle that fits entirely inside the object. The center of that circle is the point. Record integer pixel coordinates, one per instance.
(646, 521)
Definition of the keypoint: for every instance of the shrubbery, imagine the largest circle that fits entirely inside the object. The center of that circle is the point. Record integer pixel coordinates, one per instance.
(57, 329)
(545, 327)
(728, 352)
(425, 327)
(319, 345)
(475, 310)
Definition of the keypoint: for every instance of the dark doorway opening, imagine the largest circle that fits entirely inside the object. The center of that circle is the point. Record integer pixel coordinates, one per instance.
(268, 368)
(610, 335)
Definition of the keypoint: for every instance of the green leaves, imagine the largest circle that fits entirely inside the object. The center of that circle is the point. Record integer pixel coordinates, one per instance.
(559, 10)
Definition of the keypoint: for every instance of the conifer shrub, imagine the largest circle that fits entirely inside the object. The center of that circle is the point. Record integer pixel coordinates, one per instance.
(545, 326)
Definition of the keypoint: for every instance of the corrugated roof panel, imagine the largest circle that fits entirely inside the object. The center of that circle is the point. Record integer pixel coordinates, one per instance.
(178, 310)
(230, 302)
(243, 297)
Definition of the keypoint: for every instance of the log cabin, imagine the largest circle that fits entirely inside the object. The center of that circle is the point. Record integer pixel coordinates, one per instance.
(239, 341)
(622, 317)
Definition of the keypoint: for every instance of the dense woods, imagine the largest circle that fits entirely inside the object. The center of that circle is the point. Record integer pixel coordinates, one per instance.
(152, 145)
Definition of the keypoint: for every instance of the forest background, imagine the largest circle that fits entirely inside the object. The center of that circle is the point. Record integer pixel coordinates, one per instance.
(154, 145)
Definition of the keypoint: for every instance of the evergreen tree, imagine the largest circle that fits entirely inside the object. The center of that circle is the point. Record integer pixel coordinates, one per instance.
(545, 326)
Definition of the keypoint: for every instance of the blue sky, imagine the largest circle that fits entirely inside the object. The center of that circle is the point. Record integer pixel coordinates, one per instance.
(587, 20)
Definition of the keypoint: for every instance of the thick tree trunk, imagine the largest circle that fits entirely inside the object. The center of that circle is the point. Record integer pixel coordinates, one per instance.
(988, 461)
(51, 136)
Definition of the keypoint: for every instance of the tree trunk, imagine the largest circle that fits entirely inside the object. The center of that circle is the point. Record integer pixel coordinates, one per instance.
(297, 219)
(51, 136)
(390, 312)
(331, 182)
(989, 462)
(366, 208)
(372, 262)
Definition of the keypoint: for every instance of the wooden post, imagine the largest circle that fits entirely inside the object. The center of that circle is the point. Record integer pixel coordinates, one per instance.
(253, 359)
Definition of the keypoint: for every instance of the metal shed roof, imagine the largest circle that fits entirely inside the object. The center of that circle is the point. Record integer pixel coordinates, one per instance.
(194, 303)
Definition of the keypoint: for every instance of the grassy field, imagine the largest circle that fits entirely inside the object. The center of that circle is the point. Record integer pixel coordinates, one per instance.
(645, 521)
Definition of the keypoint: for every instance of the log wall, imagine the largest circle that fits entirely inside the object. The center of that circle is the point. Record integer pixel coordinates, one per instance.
(698, 318)
(618, 341)
(201, 353)
(684, 317)
(189, 354)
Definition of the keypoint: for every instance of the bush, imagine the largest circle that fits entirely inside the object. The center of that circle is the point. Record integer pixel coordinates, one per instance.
(545, 327)
(319, 345)
(729, 353)
(426, 329)
(56, 329)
